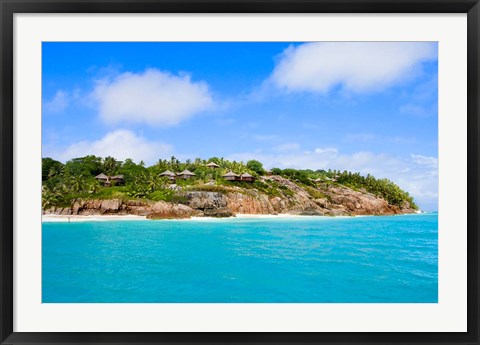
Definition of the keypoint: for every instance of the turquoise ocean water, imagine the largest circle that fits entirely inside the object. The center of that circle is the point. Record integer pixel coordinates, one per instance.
(308, 259)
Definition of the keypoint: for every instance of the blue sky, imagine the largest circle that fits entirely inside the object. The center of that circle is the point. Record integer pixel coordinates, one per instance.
(359, 106)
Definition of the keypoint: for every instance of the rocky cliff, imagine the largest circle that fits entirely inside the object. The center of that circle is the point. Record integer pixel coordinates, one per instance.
(290, 198)
(323, 200)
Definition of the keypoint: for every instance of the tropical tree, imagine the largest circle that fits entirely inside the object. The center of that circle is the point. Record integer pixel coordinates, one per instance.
(76, 183)
(50, 198)
(110, 165)
(94, 187)
(51, 168)
(256, 166)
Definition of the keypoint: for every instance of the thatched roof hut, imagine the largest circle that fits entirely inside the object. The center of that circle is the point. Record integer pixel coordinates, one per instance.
(186, 174)
(167, 173)
(102, 177)
(117, 179)
(247, 177)
(231, 176)
(213, 165)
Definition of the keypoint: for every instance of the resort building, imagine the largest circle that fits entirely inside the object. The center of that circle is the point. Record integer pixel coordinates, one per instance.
(107, 180)
(231, 176)
(213, 165)
(247, 177)
(102, 178)
(185, 174)
(117, 180)
(168, 174)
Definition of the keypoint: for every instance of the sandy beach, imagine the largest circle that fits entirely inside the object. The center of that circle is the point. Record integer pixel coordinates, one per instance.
(58, 218)
(76, 218)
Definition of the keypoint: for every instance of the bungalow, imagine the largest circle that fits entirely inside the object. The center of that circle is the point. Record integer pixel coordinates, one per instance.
(213, 165)
(231, 176)
(186, 174)
(170, 175)
(247, 177)
(117, 179)
(103, 179)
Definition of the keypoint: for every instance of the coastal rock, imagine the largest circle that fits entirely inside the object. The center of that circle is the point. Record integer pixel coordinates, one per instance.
(164, 210)
(205, 200)
(289, 198)
(135, 203)
(110, 206)
(353, 202)
(65, 211)
(208, 204)
(221, 212)
(78, 206)
(139, 210)
(252, 203)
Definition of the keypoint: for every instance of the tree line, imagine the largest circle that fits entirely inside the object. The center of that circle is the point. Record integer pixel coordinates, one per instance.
(62, 183)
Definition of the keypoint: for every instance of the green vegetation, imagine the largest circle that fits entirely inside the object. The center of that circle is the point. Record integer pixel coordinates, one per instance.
(380, 187)
(256, 166)
(315, 193)
(63, 183)
(321, 178)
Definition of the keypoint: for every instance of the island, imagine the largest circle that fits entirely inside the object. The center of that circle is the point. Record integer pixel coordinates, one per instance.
(214, 187)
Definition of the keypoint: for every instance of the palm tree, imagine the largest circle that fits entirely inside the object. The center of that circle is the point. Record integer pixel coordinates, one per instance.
(94, 187)
(109, 165)
(55, 170)
(49, 198)
(76, 183)
(154, 182)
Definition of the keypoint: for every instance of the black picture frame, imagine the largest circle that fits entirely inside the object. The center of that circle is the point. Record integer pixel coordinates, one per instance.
(10, 7)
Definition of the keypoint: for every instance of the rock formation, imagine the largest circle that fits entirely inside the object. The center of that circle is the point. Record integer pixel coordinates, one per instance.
(325, 199)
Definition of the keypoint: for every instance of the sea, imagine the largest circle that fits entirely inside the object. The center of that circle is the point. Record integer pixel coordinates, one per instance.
(371, 259)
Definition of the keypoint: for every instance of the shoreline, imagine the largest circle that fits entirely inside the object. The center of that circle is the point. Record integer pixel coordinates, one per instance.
(75, 218)
(49, 218)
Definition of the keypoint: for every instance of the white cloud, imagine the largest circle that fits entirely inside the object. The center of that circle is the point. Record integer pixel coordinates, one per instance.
(153, 97)
(326, 150)
(58, 103)
(354, 66)
(425, 160)
(120, 144)
(417, 174)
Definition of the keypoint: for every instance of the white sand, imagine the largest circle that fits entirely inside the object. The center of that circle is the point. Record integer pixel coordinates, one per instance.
(58, 218)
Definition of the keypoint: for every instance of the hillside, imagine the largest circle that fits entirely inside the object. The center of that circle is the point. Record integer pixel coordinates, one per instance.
(171, 189)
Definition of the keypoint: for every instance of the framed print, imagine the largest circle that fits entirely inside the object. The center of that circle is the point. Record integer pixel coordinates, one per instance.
(239, 172)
